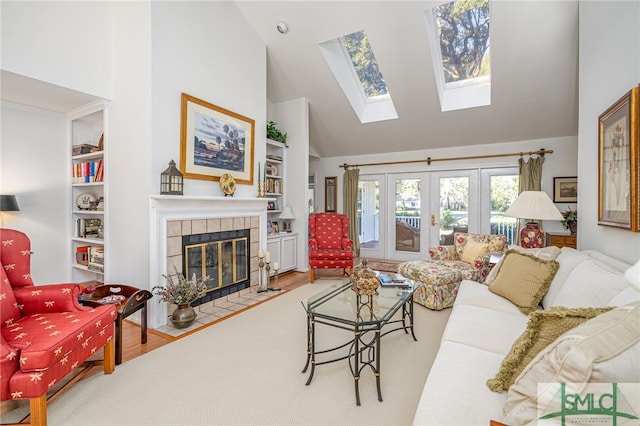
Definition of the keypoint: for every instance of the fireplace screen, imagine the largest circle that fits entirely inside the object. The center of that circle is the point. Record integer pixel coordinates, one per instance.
(225, 260)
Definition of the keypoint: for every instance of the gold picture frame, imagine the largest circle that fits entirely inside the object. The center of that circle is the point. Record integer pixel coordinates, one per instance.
(215, 141)
(618, 137)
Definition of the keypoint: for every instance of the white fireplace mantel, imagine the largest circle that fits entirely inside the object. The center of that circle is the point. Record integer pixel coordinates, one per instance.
(165, 208)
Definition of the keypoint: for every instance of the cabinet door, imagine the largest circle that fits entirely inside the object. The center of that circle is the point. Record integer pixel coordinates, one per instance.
(288, 254)
(273, 247)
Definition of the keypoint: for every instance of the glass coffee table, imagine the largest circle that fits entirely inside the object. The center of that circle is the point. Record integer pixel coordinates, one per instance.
(365, 316)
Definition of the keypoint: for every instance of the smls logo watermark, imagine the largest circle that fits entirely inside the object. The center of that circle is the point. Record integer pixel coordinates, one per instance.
(589, 403)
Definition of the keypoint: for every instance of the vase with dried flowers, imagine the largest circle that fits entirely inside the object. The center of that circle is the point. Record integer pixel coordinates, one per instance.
(182, 293)
(570, 220)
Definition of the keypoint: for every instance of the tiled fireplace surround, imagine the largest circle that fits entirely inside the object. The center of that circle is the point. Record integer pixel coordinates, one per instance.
(175, 216)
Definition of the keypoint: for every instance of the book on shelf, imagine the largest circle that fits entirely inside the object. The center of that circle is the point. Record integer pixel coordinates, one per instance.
(82, 255)
(89, 228)
(87, 171)
(96, 259)
(84, 148)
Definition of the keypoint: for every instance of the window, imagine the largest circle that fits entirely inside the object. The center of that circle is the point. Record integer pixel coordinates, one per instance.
(459, 38)
(353, 63)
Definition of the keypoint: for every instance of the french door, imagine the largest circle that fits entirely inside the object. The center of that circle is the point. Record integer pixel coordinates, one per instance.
(401, 215)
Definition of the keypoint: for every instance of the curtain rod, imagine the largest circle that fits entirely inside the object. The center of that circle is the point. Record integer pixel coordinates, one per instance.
(541, 152)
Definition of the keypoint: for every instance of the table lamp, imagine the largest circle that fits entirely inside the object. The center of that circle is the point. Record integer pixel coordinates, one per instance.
(287, 216)
(8, 203)
(533, 205)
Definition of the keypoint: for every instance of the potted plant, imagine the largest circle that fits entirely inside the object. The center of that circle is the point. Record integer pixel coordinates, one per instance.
(570, 220)
(182, 293)
(275, 134)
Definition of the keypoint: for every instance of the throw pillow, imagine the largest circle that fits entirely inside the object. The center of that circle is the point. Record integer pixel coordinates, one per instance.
(604, 349)
(543, 328)
(523, 279)
(473, 249)
(544, 253)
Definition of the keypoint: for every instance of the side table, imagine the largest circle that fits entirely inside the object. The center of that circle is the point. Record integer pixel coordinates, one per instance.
(135, 299)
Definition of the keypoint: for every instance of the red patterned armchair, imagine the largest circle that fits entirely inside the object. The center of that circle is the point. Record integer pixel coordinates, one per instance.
(330, 246)
(45, 332)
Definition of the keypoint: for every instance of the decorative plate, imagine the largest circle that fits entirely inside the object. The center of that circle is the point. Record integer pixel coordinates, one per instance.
(227, 184)
(84, 200)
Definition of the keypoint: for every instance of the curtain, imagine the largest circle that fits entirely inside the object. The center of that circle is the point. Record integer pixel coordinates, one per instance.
(350, 205)
(530, 179)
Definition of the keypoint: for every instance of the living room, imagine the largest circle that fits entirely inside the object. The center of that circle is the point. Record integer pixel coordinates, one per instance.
(140, 57)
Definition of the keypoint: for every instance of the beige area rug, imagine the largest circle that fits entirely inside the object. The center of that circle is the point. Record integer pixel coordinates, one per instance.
(246, 370)
(383, 265)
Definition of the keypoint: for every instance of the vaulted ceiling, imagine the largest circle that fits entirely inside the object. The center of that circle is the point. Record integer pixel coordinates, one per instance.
(534, 54)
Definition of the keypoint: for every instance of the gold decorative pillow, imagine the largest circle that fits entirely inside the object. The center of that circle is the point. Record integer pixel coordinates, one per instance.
(543, 328)
(473, 249)
(523, 279)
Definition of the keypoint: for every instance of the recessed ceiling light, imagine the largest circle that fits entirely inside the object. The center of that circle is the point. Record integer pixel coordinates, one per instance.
(282, 27)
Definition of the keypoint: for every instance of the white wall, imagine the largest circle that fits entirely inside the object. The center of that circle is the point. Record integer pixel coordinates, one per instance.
(559, 164)
(67, 43)
(140, 55)
(207, 50)
(130, 145)
(35, 165)
(293, 118)
(609, 68)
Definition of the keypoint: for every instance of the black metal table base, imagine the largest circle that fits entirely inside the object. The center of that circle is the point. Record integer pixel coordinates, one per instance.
(365, 347)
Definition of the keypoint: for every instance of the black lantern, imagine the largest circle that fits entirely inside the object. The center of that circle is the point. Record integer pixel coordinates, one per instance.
(171, 181)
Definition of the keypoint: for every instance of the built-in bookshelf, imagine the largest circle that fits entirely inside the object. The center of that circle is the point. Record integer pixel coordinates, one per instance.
(281, 245)
(274, 178)
(89, 196)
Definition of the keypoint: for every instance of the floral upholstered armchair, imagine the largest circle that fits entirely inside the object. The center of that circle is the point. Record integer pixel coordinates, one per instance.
(438, 278)
(329, 243)
(45, 332)
(470, 254)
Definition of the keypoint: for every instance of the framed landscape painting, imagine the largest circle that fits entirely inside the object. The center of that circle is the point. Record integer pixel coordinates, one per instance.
(618, 175)
(565, 189)
(215, 141)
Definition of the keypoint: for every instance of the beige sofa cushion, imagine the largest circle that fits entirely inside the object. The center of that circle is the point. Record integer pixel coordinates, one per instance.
(523, 279)
(605, 349)
(542, 329)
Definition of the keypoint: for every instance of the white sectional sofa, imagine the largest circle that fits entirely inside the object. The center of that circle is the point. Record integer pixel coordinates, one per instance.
(483, 327)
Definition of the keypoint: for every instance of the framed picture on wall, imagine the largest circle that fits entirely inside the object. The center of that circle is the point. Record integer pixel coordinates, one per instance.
(215, 141)
(565, 189)
(618, 175)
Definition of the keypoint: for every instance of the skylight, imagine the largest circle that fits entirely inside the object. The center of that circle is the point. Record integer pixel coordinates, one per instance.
(365, 64)
(354, 66)
(459, 37)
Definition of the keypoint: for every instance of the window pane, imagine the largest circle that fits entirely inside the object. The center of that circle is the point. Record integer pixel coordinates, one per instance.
(369, 213)
(504, 191)
(407, 195)
(454, 207)
(365, 64)
(463, 32)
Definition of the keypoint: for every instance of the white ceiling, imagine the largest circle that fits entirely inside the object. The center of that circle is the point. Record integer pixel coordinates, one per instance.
(534, 53)
(29, 91)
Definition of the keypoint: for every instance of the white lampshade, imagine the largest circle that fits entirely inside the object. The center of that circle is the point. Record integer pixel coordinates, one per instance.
(534, 205)
(287, 213)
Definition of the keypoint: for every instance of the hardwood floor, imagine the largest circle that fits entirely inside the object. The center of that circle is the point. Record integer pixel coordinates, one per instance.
(132, 348)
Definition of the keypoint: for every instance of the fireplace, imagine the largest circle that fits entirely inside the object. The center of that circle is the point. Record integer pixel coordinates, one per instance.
(175, 216)
(221, 256)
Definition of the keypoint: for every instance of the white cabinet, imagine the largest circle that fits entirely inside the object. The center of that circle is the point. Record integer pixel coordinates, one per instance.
(283, 249)
(89, 198)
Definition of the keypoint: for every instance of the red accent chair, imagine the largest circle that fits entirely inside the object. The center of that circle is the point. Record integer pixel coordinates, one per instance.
(45, 332)
(330, 244)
